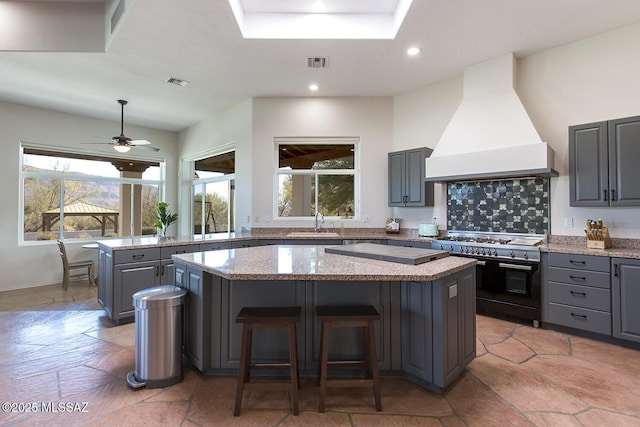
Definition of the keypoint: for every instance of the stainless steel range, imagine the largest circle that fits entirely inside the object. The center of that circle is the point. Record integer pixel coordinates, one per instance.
(508, 271)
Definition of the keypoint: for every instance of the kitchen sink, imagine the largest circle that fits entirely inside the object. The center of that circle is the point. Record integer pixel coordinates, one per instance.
(312, 234)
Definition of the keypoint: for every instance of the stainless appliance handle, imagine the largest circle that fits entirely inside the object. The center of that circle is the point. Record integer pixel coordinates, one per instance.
(515, 266)
(480, 262)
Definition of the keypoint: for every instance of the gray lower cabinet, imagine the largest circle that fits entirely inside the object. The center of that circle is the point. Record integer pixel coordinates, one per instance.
(626, 296)
(438, 328)
(202, 316)
(426, 330)
(269, 345)
(125, 272)
(577, 292)
(105, 281)
(603, 168)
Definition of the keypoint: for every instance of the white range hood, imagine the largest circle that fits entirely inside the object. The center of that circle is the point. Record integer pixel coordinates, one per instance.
(490, 134)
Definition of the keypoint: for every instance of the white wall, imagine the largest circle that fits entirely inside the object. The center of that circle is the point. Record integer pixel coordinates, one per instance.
(590, 80)
(39, 264)
(232, 126)
(370, 119)
(419, 119)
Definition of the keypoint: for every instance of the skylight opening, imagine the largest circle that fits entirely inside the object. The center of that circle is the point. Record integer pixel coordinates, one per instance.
(339, 19)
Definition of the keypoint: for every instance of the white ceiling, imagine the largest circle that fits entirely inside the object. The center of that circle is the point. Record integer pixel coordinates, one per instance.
(199, 41)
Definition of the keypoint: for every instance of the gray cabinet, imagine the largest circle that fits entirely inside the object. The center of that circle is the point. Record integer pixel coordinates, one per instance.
(626, 295)
(577, 292)
(347, 343)
(202, 316)
(407, 186)
(105, 281)
(603, 163)
(438, 328)
(269, 345)
(127, 271)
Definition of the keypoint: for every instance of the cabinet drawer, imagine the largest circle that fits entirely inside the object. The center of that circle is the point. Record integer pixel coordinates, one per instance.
(579, 318)
(167, 251)
(579, 277)
(580, 296)
(136, 255)
(581, 262)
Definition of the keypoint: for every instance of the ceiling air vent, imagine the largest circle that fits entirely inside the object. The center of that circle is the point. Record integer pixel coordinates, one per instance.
(177, 82)
(317, 62)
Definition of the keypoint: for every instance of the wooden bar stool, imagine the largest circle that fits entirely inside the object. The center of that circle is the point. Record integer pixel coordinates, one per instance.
(267, 318)
(360, 316)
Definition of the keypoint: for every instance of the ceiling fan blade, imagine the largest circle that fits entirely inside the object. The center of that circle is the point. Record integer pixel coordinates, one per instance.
(146, 147)
(140, 142)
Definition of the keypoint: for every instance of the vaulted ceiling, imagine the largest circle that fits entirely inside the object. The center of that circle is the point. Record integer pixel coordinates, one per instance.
(199, 41)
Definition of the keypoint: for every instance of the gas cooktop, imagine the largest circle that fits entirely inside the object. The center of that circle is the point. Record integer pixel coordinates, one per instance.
(495, 245)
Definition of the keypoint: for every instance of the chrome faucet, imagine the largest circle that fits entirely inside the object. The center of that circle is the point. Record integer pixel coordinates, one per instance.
(318, 227)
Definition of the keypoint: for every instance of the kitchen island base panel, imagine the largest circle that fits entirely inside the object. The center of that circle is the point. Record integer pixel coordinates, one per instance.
(213, 339)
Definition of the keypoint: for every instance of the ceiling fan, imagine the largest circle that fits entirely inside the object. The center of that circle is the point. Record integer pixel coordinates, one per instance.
(122, 143)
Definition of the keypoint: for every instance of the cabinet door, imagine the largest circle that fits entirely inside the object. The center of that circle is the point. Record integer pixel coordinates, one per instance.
(624, 152)
(417, 329)
(397, 180)
(167, 272)
(129, 279)
(105, 281)
(588, 165)
(625, 295)
(415, 175)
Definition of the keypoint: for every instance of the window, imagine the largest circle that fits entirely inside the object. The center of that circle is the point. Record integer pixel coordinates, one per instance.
(317, 175)
(214, 194)
(69, 195)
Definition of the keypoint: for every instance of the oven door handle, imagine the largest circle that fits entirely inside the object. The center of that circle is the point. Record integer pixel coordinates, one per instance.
(481, 262)
(515, 266)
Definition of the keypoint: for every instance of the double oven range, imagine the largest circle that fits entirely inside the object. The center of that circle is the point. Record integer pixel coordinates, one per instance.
(507, 274)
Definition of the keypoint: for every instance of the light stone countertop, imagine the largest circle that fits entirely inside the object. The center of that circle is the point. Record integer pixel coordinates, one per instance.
(310, 262)
(565, 248)
(144, 242)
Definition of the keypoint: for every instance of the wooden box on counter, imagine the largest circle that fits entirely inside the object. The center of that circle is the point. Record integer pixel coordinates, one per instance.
(603, 241)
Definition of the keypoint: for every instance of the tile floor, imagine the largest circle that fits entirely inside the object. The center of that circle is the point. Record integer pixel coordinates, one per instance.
(57, 346)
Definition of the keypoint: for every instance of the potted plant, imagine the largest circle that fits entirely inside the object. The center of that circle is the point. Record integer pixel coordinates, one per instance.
(164, 218)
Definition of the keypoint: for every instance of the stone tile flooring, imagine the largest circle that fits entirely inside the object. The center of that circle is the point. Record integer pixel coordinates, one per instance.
(58, 346)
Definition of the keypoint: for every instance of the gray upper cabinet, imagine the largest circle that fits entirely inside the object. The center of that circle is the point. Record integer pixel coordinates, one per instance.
(626, 294)
(603, 159)
(407, 186)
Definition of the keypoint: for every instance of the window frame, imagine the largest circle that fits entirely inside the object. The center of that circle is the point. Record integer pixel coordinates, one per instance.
(188, 167)
(355, 172)
(61, 152)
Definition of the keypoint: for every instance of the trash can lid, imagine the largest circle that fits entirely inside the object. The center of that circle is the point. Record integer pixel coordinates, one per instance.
(159, 296)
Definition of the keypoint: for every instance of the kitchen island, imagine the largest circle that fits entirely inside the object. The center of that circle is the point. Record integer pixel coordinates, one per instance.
(427, 327)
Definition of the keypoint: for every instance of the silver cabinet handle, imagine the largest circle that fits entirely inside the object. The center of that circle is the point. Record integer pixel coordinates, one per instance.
(515, 266)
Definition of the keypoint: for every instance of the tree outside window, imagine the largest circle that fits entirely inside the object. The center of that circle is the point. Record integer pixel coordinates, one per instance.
(316, 177)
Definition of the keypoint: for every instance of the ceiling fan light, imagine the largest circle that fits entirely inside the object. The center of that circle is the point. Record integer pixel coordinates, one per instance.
(121, 148)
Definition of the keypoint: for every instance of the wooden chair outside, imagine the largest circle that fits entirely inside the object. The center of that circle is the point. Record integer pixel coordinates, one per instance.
(67, 266)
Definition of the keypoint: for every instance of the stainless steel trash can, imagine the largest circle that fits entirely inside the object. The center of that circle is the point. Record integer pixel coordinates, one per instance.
(158, 335)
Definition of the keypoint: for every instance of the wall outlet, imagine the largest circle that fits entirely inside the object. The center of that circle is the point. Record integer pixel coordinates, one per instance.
(256, 218)
(365, 218)
(568, 222)
(247, 219)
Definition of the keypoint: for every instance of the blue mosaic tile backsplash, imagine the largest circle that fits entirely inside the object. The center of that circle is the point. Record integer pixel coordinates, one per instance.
(506, 206)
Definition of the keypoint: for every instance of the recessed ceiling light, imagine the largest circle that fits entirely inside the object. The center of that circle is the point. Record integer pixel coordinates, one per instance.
(314, 87)
(318, 6)
(413, 51)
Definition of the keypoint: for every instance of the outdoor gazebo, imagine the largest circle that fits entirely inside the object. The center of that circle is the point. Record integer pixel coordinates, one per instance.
(102, 215)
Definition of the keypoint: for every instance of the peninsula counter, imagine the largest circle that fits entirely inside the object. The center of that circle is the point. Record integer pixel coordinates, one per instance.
(427, 327)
